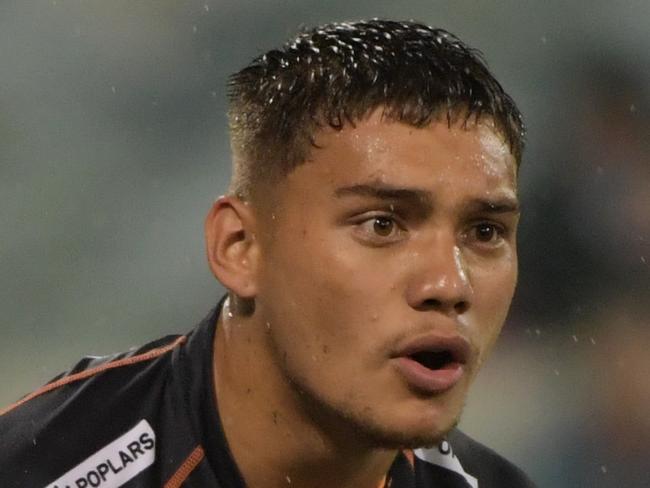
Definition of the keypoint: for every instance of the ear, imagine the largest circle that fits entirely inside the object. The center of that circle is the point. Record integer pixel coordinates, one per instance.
(231, 247)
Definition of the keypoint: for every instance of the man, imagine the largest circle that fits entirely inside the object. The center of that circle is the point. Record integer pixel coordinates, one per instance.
(368, 247)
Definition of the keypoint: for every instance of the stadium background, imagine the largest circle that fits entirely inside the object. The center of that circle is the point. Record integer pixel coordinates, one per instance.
(113, 146)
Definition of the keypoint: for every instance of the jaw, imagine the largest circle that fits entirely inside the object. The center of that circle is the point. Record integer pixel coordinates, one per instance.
(396, 418)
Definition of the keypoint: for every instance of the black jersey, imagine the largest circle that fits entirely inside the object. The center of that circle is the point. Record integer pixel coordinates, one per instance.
(148, 418)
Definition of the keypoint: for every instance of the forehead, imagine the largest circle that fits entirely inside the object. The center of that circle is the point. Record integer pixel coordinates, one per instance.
(474, 157)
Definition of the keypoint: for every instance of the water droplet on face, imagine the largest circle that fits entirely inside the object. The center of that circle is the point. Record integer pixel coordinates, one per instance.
(268, 325)
(288, 479)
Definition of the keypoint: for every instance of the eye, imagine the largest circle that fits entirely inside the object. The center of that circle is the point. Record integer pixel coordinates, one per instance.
(379, 230)
(383, 226)
(488, 233)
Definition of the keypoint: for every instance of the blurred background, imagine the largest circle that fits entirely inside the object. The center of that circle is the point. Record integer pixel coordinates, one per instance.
(113, 146)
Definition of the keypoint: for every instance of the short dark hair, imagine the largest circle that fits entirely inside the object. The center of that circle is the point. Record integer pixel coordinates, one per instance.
(339, 73)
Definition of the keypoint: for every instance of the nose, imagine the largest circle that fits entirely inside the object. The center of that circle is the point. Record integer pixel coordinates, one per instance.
(440, 280)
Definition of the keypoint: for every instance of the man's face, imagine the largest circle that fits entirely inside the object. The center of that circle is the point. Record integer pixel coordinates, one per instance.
(388, 264)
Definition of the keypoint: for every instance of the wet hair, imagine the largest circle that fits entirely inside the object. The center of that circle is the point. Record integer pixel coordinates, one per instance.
(337, 74)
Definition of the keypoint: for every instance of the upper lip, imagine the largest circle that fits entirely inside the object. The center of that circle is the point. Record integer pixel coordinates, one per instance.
(456, 345)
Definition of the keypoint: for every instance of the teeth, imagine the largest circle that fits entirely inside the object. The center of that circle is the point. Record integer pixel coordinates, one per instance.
(432, 359)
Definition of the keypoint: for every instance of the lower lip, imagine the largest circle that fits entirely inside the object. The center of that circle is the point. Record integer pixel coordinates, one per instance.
(428, 380)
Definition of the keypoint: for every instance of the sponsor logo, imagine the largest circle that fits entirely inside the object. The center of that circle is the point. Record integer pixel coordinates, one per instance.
(115, 464)
(444, 456)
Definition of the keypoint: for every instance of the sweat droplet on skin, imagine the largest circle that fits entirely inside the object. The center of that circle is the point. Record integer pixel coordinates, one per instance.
(459, 265)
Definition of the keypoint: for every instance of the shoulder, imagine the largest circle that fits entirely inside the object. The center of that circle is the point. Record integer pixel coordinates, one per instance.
(99, 371)
(83, 409)
(470, 460)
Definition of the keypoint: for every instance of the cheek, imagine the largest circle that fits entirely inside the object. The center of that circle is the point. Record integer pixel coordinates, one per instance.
(329, 293)
(493, 291)
(309, 283)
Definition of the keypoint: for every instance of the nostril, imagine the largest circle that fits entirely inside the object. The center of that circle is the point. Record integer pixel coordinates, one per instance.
(430, 304)
(461, 307)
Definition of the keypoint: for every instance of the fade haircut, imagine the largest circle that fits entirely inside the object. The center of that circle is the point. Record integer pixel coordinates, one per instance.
(338, 73)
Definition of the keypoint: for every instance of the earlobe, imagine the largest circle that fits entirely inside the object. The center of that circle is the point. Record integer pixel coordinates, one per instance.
(230, 245)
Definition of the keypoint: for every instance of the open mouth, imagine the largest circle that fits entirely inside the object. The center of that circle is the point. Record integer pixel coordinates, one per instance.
(433, 363)
(433, 359)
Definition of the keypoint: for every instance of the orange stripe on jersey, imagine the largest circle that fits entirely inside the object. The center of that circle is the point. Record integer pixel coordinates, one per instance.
(182, 473)
(93, 371)
(408, 453)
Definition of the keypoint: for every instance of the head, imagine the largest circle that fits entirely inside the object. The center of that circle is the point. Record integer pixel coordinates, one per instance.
(335, 75)
(372, 216)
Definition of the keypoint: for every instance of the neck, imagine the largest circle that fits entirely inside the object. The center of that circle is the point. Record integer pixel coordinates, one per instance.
(274, 434)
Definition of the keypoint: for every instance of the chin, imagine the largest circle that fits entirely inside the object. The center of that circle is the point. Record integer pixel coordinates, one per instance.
(394, 438)
(407, 427)
(423, 423)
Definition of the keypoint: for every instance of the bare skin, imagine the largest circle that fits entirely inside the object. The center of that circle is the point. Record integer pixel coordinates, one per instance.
(386, 234)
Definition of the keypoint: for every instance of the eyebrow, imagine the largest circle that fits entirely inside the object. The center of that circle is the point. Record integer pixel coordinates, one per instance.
(421, 198)
(501, 205)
